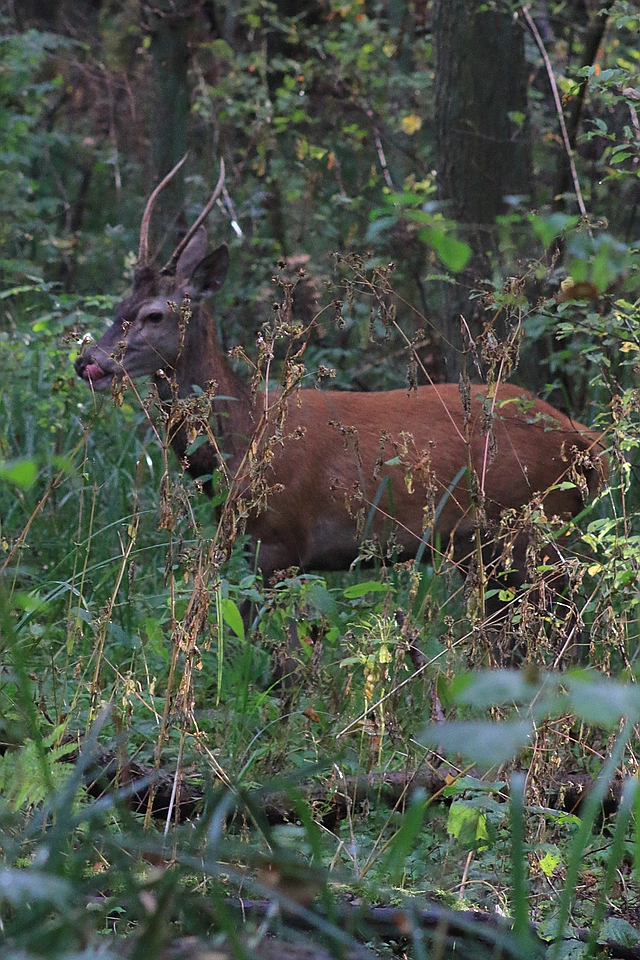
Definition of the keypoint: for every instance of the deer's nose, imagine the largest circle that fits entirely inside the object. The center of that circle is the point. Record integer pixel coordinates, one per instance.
(81, 363)
(88, 369)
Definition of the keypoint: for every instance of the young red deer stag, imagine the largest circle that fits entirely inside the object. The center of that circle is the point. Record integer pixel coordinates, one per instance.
(399, 454)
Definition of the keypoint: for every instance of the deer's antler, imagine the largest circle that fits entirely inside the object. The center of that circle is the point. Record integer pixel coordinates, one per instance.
(143, 249)
(170, 265)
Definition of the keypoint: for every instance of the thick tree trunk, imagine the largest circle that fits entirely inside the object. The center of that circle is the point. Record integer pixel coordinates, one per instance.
(170, 28)
(482, 142)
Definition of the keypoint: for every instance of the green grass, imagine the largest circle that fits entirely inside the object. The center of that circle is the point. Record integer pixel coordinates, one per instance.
(98, 598)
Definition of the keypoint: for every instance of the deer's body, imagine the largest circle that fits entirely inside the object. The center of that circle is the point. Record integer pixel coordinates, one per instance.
(332, 461)
(339, 468)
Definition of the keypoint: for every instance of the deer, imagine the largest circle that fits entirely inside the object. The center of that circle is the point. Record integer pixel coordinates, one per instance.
(431, 465)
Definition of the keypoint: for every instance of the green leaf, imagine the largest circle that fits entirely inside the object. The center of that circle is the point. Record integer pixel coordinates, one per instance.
(481, 741)
(598, 699)
(196, 444)
(492, 688)
(419, 216)
(360, 589)
(619, 930)
(619, 157)
(454, 253)
(21, 472)
(232, 616)
(468, 825)
(549, 862)
(14, 291)
(20, 886)
(406, 199)
(319, 597)
(548, 228)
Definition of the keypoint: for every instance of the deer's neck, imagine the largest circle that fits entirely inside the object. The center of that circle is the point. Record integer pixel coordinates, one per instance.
(202, 363)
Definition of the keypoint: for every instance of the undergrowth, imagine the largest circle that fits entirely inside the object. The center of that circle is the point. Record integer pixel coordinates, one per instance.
(162, 792)
(122, 625)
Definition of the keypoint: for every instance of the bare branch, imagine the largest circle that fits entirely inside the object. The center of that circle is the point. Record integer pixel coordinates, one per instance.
(556, 97)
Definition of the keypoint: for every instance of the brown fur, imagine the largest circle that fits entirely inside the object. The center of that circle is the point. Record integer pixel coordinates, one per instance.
(332, 473)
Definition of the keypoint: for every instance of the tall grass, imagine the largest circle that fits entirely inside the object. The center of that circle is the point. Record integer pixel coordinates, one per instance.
(111, 634)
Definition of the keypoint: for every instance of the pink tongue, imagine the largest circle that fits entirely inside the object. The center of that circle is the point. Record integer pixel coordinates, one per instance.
(93, 371)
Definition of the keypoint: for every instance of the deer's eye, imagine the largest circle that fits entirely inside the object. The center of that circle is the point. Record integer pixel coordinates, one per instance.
(154, 317)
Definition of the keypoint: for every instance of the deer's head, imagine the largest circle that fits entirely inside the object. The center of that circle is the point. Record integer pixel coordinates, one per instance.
(147, 334)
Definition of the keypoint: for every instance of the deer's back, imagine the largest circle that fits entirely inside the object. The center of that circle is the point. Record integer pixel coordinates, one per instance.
(401, 456)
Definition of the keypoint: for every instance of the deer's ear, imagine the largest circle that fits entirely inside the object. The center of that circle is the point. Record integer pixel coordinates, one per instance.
(210, 273)
(192, 254)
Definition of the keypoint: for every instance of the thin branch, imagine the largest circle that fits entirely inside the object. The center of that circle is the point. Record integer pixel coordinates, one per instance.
(556, 97)
(382, 159)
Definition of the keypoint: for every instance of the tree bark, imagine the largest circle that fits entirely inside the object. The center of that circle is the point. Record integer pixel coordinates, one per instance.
(482, 143)
(170, 26)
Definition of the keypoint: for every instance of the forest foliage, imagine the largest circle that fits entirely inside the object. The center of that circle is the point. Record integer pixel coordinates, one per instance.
(334, 123)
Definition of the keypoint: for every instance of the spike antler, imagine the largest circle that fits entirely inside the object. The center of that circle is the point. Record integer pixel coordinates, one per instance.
(143, 249)
(170, 265)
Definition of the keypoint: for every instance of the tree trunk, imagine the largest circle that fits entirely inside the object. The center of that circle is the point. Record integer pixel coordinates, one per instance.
(482, 142)
(170, 28)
